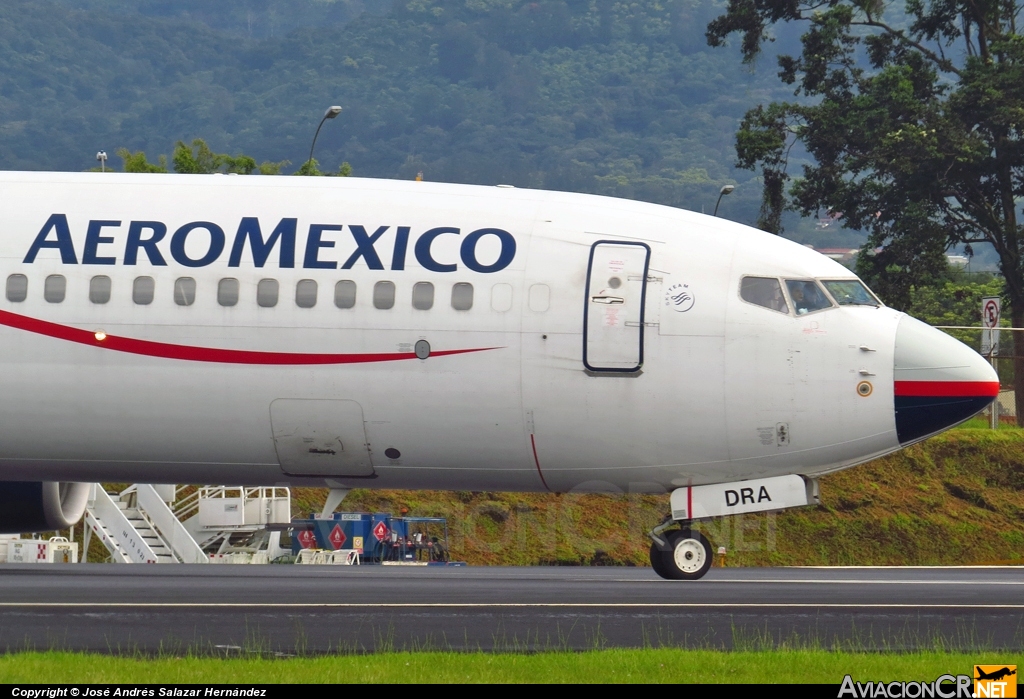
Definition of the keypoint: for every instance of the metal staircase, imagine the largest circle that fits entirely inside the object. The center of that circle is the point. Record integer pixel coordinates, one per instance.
(169, 524)
(224, 518)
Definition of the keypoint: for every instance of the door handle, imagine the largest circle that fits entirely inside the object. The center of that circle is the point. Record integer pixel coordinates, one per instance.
(608, 300)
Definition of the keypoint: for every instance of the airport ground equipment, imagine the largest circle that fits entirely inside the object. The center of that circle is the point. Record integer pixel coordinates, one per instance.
(56, 549)
(225, 519)
(180, 524)
(5, 540)
(377, 538)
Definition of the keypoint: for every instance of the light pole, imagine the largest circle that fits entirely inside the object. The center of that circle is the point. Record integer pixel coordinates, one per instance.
(727, 189)
(102, 157)
(329, 114)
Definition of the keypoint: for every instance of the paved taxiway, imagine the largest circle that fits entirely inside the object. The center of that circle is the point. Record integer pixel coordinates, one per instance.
(308, 609)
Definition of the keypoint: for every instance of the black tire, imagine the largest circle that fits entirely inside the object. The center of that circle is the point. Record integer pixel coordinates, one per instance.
(657, 561)
(688, 556)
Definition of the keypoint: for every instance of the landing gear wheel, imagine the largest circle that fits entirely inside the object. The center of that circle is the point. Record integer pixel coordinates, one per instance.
(688, 556)
(658, 561)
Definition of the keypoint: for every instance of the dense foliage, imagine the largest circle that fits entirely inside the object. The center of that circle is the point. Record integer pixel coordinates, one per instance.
(587, 95)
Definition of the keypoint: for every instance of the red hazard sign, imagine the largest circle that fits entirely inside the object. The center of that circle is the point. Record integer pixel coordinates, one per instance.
(306, 539)
(380, 532)
(337, 537)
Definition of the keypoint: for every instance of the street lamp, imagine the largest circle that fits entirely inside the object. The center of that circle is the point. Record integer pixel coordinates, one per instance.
(102, 157)
(727, 189)
(329, 114)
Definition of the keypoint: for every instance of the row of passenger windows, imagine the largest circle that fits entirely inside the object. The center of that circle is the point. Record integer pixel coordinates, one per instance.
(807, 295)
(267, 292)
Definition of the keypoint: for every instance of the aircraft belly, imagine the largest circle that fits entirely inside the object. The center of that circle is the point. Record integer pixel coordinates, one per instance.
(65, 406)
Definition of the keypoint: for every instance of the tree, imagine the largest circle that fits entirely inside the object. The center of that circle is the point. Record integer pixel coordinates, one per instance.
(136, 162)
(312, 168)
(199, 159)
(914, 123)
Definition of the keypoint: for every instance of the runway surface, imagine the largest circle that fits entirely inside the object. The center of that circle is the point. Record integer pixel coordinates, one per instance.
(291, 609)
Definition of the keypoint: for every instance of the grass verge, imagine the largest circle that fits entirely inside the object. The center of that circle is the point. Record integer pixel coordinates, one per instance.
(619, 665)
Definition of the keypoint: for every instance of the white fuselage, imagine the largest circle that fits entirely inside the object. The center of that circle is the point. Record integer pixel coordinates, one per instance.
(322, 394)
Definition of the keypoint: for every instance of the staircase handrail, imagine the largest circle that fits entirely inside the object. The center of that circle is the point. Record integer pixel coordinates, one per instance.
(187, 506)
(109, 542)
(168, 526)
(121, 530)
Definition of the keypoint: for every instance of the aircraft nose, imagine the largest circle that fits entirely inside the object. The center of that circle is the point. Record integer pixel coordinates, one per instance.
(939, 381)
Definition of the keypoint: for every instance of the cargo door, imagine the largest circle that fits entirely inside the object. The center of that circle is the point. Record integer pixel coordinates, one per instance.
(613, 321)
(320, 437)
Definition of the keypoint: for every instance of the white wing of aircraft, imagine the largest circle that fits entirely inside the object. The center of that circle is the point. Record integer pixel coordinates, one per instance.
(379, 334)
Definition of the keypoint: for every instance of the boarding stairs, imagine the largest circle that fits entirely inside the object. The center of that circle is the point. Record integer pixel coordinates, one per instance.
(231, 521)
(182, 524)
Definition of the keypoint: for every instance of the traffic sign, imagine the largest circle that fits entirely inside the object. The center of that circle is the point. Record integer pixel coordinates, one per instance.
(307, 539)
(380, 532)
(337, 537)
(991, 308)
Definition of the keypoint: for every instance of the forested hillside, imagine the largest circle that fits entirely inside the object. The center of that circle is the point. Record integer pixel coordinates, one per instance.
(588, 95)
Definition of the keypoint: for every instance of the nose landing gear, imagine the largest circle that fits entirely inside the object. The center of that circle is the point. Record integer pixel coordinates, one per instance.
(680, 554)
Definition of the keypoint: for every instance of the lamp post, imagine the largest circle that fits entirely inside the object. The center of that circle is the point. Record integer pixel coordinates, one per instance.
(727, 189)
(329, 114)
(102, 157)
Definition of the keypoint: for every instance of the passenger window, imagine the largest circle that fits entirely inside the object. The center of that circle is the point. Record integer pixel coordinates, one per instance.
(17, 288)
(807, 296)
(227, 291)
(142, 290)
(99, 289)
(54, 288)
(462, 296)
(305, 293)
(501, 297)
(423, 296)
(266, 293)
(184, 291)
(384, 295)
(345, 294)
(540, 298)
(764, 291)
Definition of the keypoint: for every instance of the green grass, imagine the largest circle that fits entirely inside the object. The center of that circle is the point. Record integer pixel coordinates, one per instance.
(983, 423)
(648, 665)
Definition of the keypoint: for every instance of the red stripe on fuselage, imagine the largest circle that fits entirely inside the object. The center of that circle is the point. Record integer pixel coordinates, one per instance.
(947, 389)
(191, 353)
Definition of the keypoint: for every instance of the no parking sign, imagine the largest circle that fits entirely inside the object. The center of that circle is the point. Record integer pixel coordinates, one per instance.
(991, 307)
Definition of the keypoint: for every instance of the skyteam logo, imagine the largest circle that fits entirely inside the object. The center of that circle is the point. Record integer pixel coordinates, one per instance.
(202, 243)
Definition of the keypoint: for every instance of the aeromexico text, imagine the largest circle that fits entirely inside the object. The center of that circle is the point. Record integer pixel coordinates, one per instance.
(206, 241)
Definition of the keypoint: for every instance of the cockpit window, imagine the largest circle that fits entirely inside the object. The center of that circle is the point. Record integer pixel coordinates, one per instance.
(764, 291)
(807, 296)
(851, 292)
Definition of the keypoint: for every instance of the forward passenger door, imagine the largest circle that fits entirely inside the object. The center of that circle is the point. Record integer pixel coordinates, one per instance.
(613, 321)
